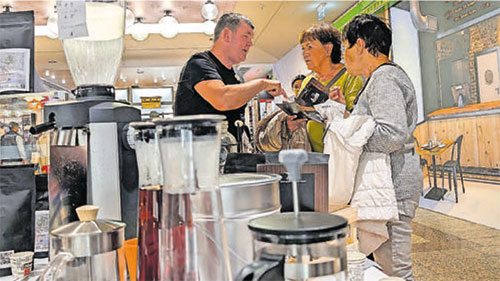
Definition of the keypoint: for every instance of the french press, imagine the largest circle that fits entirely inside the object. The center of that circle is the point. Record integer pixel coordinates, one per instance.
(298, 245)
(303, 248)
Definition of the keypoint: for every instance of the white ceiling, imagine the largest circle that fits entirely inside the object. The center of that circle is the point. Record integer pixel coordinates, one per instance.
(277, 27)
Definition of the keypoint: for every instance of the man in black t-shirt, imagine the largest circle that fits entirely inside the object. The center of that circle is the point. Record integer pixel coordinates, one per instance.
(208, 83)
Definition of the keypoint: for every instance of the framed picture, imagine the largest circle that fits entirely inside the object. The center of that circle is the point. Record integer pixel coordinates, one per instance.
(487, 71)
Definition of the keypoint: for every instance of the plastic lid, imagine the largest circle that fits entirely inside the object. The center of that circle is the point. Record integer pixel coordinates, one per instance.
(355, 257)
(310, 227)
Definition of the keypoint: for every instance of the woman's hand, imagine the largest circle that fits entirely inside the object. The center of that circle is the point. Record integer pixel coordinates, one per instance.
(336, 95)
(292, 124)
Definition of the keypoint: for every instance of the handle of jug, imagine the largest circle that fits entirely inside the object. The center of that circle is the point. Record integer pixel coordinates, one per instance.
(55, 266)
(269, 267)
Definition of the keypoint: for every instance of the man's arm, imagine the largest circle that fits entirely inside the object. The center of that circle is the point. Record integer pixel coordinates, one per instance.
(228, 97)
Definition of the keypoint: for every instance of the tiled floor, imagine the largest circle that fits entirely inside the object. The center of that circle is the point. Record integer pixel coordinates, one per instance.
(448, 248)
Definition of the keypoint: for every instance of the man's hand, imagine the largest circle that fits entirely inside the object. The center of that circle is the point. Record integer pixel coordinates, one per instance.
(336, 95)
(293, 124)
(273, 87)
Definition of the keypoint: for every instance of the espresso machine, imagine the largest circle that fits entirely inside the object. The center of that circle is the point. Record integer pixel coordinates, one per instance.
(91, 161)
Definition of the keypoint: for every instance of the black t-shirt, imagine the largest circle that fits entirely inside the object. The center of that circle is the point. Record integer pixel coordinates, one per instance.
(202, 67)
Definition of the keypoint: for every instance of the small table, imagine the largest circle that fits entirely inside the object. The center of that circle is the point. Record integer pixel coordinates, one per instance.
(436, 193)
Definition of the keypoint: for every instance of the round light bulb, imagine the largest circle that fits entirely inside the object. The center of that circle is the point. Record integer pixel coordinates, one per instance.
(155, 80)
(139, 32)
(47, 73)
(136, 81)
(209, 11)
(169, 27)
(63, 81)
(209, 27)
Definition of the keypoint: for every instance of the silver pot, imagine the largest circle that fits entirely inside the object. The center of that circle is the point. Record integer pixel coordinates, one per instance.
(244, 197)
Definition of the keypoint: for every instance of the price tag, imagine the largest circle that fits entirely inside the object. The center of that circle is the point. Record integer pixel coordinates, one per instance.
(71, 19)
(151, 102)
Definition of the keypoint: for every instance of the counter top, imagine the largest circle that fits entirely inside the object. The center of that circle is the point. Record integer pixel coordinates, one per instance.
(492, 107)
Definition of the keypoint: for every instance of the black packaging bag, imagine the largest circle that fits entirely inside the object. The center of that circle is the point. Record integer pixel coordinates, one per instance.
(17, 212)
(42, 216)
(17, 31)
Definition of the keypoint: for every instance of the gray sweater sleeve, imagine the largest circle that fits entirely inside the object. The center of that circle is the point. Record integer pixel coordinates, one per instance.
(387, 104)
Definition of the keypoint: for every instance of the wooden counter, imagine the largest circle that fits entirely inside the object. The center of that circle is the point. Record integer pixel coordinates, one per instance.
(477, 109)
(480, 125)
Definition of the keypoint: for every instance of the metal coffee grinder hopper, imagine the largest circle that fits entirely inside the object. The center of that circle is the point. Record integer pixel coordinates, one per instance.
(90, 161)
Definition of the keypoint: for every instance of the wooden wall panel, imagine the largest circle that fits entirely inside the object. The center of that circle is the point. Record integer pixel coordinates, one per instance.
(481, 142)
(468, 128)
(488, 129)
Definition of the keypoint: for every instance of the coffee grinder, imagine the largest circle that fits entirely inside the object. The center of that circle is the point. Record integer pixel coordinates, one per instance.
(91, 162)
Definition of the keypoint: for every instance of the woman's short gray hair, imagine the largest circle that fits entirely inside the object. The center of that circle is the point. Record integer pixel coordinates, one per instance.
(231, 21)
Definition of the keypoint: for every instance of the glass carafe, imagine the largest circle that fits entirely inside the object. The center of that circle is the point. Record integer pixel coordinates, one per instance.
(94, 59)
(194, 242)
(304, 248)
(150, 200)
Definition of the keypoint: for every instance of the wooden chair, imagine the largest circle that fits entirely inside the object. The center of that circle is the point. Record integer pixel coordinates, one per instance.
(452, 165)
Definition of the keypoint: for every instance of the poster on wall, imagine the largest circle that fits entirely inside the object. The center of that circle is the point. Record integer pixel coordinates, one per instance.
(14, 70)
(487, 71)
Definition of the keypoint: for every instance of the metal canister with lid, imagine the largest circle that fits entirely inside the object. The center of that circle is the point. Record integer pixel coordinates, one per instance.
(87, 249)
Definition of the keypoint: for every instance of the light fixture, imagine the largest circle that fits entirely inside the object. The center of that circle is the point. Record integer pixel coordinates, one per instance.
(136, 81)
(53, 30)
(155, 80)
(163, 77)
(209, 27)
(321, 10)
(63, 81)
(129, 18)
(209, 11)
(139, 31)
(53, 76)
(169, 27)
(47, 73)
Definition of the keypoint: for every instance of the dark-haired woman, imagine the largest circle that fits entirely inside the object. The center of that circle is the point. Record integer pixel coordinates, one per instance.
(389, 97)
(321, 50)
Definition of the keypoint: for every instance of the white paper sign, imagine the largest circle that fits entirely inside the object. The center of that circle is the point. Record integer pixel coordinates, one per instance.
(71, 19)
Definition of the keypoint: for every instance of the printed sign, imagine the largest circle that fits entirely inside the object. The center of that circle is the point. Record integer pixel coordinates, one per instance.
(71, 19)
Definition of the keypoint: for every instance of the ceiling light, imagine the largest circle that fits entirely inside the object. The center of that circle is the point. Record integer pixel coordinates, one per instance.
(321, 10)
(209, 27)
(53, 76)
(209, 11)
(169, 27)
(155, 80)
(136, 81)
(163, 77)
(129, 18)
(139, 31)
(47, 73)
(63, 81)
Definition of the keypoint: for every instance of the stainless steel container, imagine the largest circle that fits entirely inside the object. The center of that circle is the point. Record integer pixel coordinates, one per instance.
(87, 249)
(246, 197)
